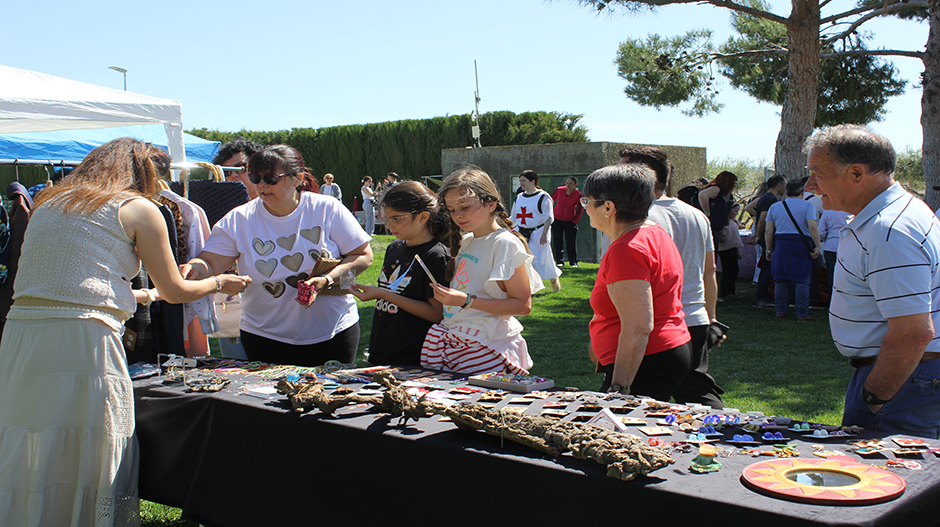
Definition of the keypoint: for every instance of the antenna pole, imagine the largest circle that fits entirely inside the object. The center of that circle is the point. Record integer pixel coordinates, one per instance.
(475, 129)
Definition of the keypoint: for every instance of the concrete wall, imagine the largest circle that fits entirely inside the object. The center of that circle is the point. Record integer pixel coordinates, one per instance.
(579, 159)
(555, 162)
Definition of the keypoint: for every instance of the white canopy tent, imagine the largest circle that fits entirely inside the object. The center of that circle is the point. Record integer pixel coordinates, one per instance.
(35, 102)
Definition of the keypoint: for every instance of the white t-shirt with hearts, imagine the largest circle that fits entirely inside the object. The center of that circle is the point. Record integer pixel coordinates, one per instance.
(278, 251)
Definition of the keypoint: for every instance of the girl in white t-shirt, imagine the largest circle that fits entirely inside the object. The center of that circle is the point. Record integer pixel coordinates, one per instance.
(491, 280)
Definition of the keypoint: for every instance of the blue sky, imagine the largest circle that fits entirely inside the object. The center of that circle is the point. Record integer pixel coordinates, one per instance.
(282, 64)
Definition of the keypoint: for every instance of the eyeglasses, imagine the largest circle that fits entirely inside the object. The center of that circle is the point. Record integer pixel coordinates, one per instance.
(585, 201)
(395, 220)
(270, 179)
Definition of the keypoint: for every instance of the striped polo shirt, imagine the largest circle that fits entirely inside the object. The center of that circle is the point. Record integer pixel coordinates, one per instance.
(887, 267)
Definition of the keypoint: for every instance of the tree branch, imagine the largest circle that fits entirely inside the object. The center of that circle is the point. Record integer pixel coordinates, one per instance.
(728, 4)
(897, 6)
(871, 52)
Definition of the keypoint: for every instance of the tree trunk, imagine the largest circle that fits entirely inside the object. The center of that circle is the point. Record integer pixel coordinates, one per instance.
(799, 107)
(930, 106)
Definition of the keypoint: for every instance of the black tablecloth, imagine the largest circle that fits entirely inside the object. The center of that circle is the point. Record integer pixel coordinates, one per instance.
(232, 459)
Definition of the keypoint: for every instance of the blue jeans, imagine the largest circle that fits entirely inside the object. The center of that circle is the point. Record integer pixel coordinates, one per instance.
(915, 410)
(782, 297)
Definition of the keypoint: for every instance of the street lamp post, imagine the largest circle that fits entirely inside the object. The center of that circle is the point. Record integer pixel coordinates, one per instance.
(120, 70)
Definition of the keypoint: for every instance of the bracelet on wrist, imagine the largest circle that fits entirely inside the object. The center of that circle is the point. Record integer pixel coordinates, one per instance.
(151, 296)
(218, 284)
(469, 302)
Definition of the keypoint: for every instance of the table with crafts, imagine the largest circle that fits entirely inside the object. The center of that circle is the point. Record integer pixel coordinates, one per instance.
(243, 456)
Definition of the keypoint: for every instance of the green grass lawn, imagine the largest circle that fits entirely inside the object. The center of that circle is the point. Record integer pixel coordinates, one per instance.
(779, 367)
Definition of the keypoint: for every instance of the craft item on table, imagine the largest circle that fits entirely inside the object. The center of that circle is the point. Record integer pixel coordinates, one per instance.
(511, 382)
(554, 413)
(655, 430)
(621, 409)
(265, 390)
(830, 481)
(491, 397)
(903, 463)
(652, 404)
(909, 451)
(822, 433)
(788, 450)
(606, 416)
(698, 439)
(175, 367)
(909, 443)
(709, 431)
(554, 404)
(743, 439)
(538, 395)
(569, 396)
(772, 436)
(590, 407)
(466, 390)
(705, 461)
(820, 451)
(207, 384)
(633, 421)
(520, 400)
(142, 370)
(654, 441)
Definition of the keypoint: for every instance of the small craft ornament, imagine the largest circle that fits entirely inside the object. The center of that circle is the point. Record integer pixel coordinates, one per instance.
(705, 461)
(655, 430)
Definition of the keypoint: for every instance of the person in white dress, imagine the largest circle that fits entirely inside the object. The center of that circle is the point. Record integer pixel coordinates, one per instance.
(68, 452)
(368, 204)
(532, 216)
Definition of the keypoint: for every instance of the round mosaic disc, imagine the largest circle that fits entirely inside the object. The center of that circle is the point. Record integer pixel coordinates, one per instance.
(834, 481)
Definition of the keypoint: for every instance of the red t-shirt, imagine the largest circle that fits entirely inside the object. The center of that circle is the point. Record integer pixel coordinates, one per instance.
(648, 254)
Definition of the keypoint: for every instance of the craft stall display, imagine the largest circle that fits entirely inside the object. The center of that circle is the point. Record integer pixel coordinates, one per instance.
(353, 430)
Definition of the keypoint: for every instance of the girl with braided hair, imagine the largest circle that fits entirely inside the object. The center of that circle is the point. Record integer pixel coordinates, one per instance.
(491, 282)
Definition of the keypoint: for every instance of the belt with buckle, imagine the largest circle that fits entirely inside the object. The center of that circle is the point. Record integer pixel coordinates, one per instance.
(865, 361)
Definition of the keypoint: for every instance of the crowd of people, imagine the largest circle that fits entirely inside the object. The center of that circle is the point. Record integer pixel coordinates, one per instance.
(463, 267)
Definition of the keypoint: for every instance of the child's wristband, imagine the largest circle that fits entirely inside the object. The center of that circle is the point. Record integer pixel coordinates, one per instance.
(469, 302)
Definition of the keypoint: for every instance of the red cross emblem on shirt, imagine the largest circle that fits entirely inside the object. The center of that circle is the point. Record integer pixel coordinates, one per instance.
(522, 216)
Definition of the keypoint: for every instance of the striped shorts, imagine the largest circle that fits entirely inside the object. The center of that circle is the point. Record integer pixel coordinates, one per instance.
(451, 350)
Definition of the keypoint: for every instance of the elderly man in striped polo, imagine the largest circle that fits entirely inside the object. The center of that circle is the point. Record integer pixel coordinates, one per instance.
(885, 306)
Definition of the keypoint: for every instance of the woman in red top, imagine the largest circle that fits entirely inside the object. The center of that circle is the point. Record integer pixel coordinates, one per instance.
(638, 333)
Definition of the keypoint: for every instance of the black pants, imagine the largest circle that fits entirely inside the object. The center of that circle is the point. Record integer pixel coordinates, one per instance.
(729, 271)
(341, 347)
(567, 231)
(659, 374)
(699, 386)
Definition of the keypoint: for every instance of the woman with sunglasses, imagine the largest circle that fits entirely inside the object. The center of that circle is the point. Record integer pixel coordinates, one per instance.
(277, 240)
(639, 339)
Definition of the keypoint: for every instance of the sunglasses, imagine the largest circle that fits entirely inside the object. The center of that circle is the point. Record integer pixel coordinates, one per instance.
(270, 179)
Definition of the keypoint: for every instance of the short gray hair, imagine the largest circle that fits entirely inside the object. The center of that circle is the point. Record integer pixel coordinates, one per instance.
(852, 143)
(629, 186)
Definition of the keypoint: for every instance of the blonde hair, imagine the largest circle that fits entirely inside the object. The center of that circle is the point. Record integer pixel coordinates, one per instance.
(123, 166)
(473, 181)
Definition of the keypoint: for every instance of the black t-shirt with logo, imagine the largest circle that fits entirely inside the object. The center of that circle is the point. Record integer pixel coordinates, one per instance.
(397, 335)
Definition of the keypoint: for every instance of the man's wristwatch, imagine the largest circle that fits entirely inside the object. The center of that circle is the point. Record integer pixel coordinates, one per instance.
(871, 398)
(329, 280)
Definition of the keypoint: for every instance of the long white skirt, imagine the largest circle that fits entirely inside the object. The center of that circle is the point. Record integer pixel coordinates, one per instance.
(68, 453)
(543, 260)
